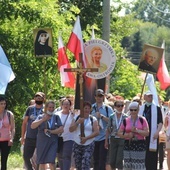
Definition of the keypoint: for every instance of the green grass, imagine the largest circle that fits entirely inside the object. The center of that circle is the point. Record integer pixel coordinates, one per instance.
(15, 160)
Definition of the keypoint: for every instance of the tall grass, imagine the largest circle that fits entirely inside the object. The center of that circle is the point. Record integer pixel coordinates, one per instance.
(15, 160)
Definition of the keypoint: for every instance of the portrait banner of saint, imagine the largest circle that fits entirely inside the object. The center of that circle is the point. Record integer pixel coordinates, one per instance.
(43, 42)
(99, 54)
(150, 59)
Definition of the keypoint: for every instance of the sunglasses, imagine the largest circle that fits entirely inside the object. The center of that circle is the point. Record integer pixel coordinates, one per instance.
(119, 105)
(133, 110)
(136, 101)
(99, 96)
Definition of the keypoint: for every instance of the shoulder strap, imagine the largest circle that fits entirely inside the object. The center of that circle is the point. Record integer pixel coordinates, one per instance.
(94, 107)
(9, 116)
(77, 118)
(141, 120)
(111, 119)
(124, 122)
(56, 117)
(91, 119)
(107, 112)
(65, 120)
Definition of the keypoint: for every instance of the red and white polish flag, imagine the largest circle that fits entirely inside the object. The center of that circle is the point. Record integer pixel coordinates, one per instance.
(162, 74)
(67, 78)
(75, 43)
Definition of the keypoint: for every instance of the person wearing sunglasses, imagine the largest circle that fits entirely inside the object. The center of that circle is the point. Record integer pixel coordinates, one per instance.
(116, 143)
(134, 129)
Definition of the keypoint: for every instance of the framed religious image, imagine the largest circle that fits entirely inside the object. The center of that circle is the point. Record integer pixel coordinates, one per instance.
(99, 55)
(43, 42)
(150, 59)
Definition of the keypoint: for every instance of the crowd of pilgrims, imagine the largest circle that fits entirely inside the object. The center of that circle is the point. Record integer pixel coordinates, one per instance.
(118, 133)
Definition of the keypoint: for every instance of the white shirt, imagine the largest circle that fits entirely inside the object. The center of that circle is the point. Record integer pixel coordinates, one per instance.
(67, 135)
(88, 130)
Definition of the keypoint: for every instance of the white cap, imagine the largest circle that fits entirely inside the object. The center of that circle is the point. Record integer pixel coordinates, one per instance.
(133, 105)
(148, 93)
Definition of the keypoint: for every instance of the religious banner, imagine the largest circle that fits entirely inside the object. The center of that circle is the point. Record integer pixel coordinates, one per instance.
(99, 54)
(150, 59)
(42, 42)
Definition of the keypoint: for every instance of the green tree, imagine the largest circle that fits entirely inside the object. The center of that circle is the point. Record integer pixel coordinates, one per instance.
(19, 18)
(17, 24)
(153, 11)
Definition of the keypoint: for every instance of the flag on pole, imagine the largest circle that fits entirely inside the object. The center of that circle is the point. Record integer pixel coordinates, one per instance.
(6, 73)
(67, 78)
(162, 74)
(151, 85)
(93, 35)
(75, 43)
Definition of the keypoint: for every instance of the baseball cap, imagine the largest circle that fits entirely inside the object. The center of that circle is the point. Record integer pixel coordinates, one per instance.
(148, 93)
(61, 98)
(99, 92)
(41, 94)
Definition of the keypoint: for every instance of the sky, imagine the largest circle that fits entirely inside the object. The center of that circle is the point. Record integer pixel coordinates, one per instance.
(122, 12)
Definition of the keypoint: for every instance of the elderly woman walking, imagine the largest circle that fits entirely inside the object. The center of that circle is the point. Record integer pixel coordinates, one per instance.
(134, 129)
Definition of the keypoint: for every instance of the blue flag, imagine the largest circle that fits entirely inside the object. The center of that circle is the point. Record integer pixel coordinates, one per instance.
(6, 73)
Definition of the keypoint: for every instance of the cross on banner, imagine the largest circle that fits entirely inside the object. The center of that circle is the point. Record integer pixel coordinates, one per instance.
(80, 70)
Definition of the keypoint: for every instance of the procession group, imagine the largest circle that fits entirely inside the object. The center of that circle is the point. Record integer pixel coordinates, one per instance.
(116, 134)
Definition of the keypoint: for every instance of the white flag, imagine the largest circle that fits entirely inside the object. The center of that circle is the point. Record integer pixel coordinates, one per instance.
(151, 85)
(6, 73)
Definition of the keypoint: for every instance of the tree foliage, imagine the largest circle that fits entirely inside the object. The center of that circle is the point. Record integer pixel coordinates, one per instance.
(19, 18)
(153, 11)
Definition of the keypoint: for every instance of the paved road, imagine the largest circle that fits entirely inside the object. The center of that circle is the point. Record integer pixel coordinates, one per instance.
(164, 167)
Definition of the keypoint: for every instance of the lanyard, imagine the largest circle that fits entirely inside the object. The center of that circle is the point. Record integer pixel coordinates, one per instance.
(50, 122)
(37, 113)
(118, 122)
(134, 123)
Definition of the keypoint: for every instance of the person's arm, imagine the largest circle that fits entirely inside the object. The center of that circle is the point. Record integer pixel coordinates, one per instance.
(23, 129)
(106, 119)
(108, 132)
(55, 131)
(12, 129)
(110, 112)
(38, 121)
(143, 132)
(166, 122)
(75, 124)
(106, 144)
(122, 132)
(93, 134)
(156, 135)
(145, 129)
(125, 135)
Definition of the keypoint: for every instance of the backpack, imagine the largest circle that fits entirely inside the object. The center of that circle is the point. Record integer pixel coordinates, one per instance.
(91, 119)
